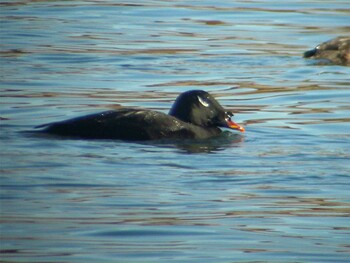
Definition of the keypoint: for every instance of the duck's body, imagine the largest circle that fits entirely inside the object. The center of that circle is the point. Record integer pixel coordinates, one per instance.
(129, 124)
(336, 51)
(195, 115)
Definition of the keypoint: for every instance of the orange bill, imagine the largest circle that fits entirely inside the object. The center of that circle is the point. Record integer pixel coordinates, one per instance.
(233, 125)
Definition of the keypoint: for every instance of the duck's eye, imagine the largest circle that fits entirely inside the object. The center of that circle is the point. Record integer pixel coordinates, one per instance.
(203, 101)
(229, 114)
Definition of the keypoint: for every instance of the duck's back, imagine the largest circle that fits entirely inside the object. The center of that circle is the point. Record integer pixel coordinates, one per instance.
(128, 124)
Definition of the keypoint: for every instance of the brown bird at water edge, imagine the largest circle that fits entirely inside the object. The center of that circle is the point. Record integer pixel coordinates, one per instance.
(336, 51)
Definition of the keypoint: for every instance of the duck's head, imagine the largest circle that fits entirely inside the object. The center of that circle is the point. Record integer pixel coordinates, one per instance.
(336, 50)
(200, 108)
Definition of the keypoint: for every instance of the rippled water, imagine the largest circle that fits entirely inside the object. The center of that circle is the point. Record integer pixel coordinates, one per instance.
(278, 193)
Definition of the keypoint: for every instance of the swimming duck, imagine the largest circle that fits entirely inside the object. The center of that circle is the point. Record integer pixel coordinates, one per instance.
(194, 115)
(337, 51)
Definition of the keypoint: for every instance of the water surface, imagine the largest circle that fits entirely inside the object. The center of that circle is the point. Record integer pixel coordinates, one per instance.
(277, 193)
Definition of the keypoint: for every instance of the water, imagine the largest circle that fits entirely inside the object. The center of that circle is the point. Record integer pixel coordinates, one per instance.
(278, 193)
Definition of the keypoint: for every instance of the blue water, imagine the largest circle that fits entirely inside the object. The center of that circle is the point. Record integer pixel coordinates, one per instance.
(277, 193)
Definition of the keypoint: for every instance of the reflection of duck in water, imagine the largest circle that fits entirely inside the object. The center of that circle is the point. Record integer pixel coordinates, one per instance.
(337, 51)
(194, 115)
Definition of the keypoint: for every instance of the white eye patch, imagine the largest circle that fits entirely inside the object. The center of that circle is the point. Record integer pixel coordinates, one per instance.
(204, 102)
